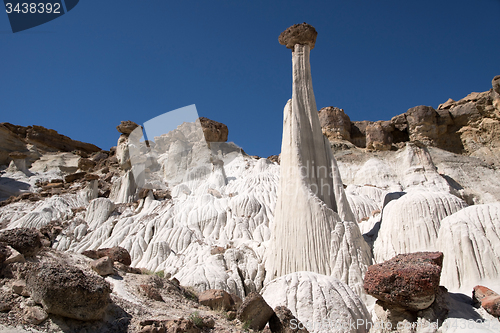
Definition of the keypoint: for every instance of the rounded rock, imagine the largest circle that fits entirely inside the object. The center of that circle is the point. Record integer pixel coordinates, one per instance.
(302, 33)
(126, 127)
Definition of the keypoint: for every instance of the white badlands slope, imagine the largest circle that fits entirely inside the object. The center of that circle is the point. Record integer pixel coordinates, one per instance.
(217, 234)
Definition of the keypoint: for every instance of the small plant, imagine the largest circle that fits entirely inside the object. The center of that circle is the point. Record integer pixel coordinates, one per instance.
(190, 293)
(196, 319)
(246, 325)
(148, 272)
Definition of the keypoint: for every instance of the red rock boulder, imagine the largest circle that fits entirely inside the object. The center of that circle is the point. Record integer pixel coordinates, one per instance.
(116, 253)
(488, 299)
(216, 299)
(255, 311)
(407, 281)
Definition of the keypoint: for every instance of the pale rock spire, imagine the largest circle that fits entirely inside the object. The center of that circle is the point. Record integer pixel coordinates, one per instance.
(311, 198)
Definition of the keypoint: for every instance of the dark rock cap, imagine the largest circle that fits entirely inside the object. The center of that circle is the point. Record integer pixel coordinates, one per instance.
(302, 33)
(126, 127)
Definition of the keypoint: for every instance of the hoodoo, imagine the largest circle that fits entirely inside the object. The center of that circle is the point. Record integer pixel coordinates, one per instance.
(311, 198)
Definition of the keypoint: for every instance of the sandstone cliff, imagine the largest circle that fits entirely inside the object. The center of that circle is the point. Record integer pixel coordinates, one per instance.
(470, 126)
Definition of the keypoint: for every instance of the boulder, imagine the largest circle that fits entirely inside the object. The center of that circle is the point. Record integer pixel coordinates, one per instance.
(100, 156)
(480, 292)
(162, 194)
(102, 266)
(336, 125)
(68, 291)
(151, 292)
(303, 34)
(19, 287)
(86, 164)
(126, 127)
(216, 299)
(407, 281)
(34, 315)
(14, 256)
(92, 254)
(4, 253)
(5, 307)
(283, 321)
(181, 325)
(25, 240)
(488, 299)
(213, 130)
(255, 311)
(492, 305)
(116, 253)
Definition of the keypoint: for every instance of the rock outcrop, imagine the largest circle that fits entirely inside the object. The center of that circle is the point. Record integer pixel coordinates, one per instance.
(336, 125)
(407, 281)
(378, 136)
(213, 130)
(469, 126)
(33, 140)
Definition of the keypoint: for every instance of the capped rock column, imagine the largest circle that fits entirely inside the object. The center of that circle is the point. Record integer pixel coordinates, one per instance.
(311, 198)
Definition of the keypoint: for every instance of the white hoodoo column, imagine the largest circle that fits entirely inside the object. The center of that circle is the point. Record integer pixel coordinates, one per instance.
(311, 192)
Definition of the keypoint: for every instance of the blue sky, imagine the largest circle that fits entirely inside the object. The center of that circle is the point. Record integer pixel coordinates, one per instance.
(113, 60)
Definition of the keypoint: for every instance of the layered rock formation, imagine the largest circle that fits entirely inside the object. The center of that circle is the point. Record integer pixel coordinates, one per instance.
(469, 126)
(33, 140)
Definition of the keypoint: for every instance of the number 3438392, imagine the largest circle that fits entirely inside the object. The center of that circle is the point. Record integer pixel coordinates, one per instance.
(33, 8)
